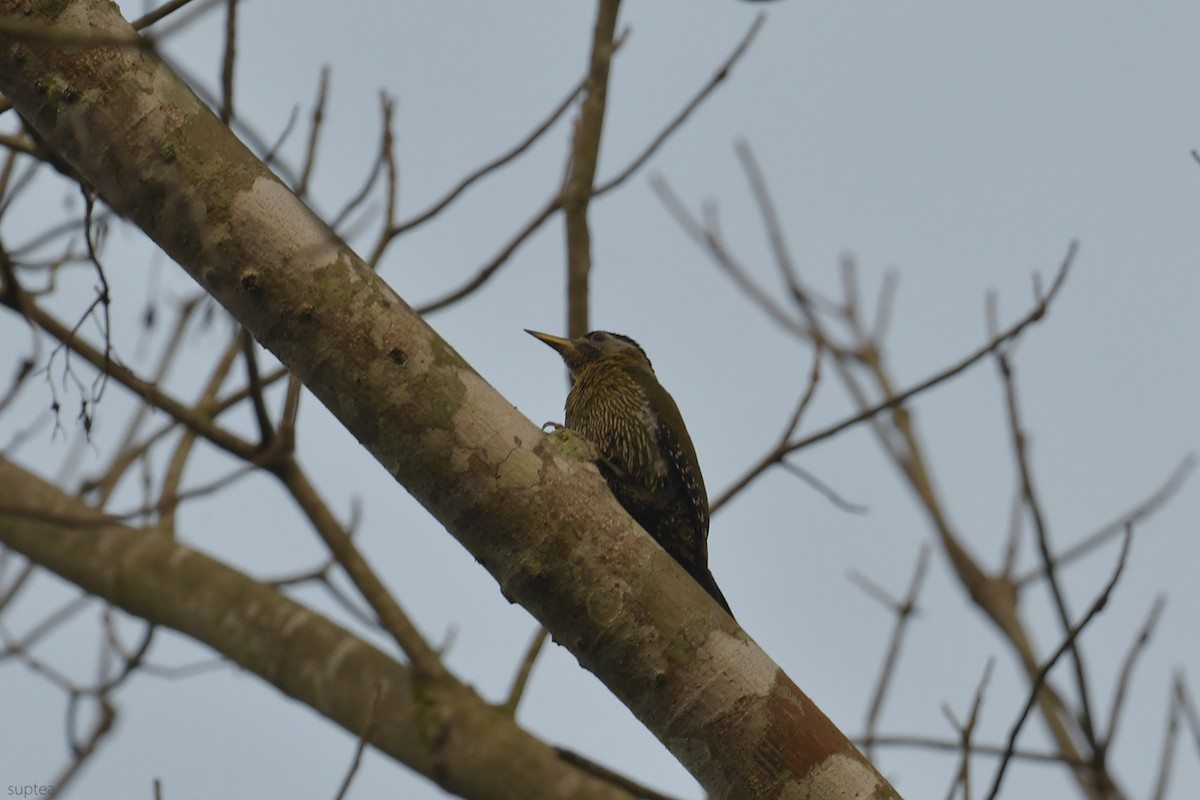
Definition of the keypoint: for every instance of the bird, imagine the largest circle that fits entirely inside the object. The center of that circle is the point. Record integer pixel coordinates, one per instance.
(643, 448)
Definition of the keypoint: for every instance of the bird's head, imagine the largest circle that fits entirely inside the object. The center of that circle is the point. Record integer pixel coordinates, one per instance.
(596, 348)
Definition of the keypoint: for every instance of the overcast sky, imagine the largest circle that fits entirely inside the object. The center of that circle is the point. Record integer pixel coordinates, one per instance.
(960, 146)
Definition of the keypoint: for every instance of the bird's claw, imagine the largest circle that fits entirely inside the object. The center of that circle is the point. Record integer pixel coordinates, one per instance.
(573, 440)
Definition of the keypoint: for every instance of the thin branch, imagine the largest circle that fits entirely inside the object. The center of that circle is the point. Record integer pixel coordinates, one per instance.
(395, 229)
(904, 612)
(108, 480)
(266, 431)
(1190, 712)
(1182, 711)
(131, 454)
(954, 746)
(158, 14)
(780, 451)
(364, 736)
(1133, 516)
(1068, 644)
(496, 163)
(1012, 548)
(49, 625)
(424, 659)
(228, 60)
(525, 670)
(314, 132)
(1042, 537)
(8, 593)
(618, 780)
(386, 158)
(169, 495)
(287, 419)
(1137, 648)
(824, 489)
(1035, 314)
(172, 498)
(220, 437)
(684, 113)
(83, 751)
(577, 190)
(770, 218)
(966, 730)
(1170, 742)
(711, 242)
(556, 203)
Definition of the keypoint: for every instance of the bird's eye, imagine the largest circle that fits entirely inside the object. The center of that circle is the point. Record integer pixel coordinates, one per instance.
(597, 336)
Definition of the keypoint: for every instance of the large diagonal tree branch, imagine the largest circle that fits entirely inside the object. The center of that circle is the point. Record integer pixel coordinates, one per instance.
(538, 518)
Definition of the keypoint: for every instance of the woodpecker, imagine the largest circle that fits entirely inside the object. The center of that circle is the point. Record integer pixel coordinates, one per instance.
(644, 451)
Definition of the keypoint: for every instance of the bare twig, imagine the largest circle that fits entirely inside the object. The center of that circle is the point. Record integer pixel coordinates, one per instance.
(364, 736)
(220, 437)
(170, 495)
(107, 481)
(770, 218)
(228, 59)
(498, 261)
(1043, 672)
(708, 238)
(82, 751)
(394, 229)
(1042, 537)
(954, 746)
(684, 113)
(618, 780)
(525, 670)
(496, 163)
(556, 203)
(1135, 650)
(48, 625)
(1190, 713)
(1012, 547)
(711, 241)
(780, 451)
(424, 659)
(314, 133)
(266, 430)
(1182, 711)
(158, 14)
(581, 174)
(1131, 517)
(965, 731)
(9, 592)
(1012, 333)
(385, 161)
(824, 489)
(904, 612)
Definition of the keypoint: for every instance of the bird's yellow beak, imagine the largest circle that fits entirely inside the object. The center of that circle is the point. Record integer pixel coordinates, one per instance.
(557, 342)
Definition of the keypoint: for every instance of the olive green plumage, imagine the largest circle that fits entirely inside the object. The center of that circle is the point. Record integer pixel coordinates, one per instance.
(644, 450)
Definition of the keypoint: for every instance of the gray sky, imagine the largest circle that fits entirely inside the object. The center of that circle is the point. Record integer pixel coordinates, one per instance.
(960, 146)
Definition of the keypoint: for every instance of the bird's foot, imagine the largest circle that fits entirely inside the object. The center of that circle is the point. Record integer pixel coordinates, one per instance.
(573, 441)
